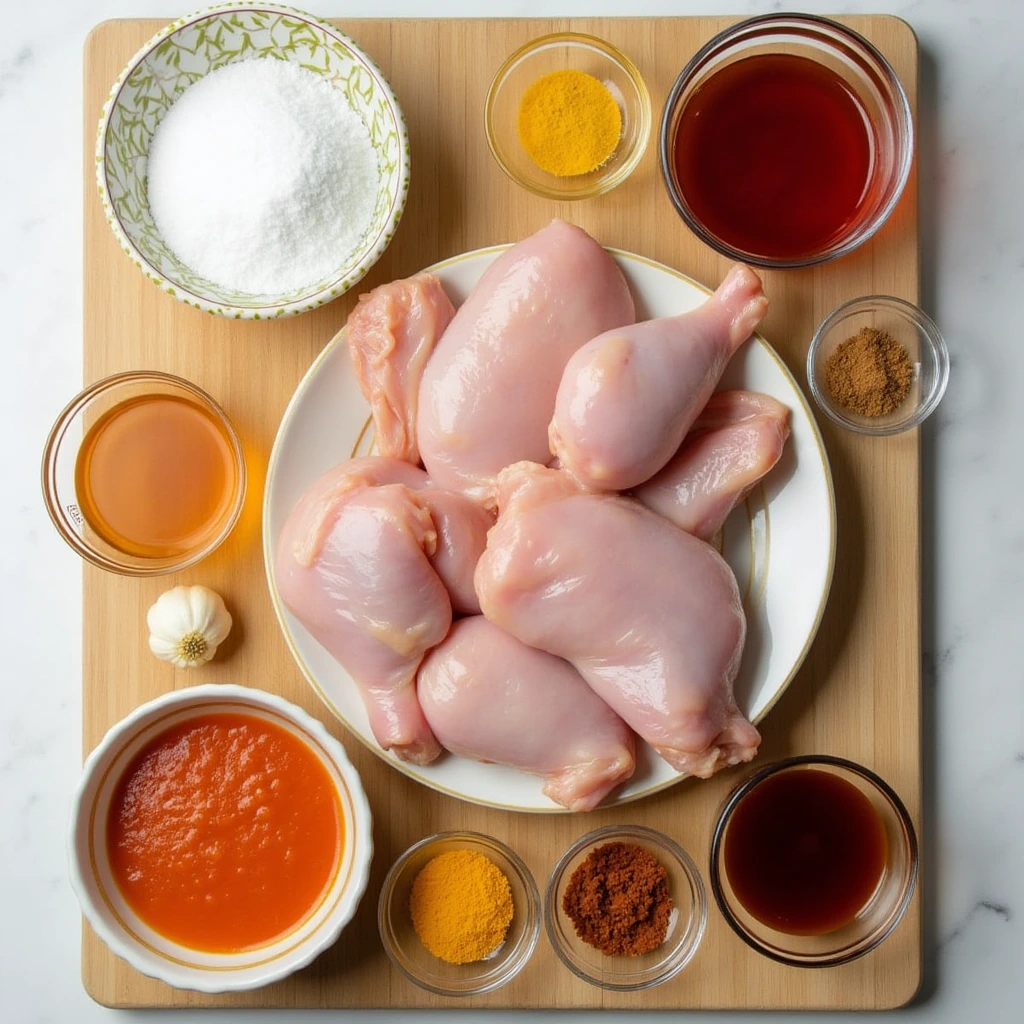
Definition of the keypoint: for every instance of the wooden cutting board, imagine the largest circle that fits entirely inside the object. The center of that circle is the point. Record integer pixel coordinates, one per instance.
(858, 694)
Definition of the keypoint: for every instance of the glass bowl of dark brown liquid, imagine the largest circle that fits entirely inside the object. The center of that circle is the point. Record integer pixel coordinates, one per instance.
(813, 861)
(786, 141)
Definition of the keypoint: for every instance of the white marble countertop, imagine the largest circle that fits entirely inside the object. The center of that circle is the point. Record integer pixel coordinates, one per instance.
(973, 270)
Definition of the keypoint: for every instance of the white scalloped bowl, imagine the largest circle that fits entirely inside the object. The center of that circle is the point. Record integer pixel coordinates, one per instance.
(175, 58)
(132, 939)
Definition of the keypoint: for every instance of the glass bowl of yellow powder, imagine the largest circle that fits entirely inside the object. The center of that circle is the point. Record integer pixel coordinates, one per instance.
(568, 116)
(459, 914)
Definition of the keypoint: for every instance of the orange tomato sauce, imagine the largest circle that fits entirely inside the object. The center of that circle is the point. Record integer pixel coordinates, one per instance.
(225, 832)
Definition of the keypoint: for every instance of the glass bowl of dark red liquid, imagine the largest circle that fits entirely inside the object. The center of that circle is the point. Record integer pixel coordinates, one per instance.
(786, 141)
(813, 861)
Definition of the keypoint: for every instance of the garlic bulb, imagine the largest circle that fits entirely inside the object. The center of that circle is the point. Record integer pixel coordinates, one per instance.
(187, 625)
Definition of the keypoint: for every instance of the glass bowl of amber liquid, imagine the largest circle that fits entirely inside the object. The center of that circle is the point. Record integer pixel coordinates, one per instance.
(686, 923)
(143, 474)
(813, 861)
(912, 329)
(557, 52)
(407, 952)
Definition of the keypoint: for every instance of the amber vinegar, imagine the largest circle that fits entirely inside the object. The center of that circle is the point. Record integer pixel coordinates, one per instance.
(156, 476)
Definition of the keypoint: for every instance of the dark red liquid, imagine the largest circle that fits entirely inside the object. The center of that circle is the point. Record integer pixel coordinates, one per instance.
(774, 156)
(804, 852)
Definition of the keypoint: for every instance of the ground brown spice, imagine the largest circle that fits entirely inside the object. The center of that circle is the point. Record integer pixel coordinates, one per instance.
(618, 900)
(870, 373)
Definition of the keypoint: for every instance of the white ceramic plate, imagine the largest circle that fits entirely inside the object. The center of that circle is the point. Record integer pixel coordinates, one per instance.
(781, 543)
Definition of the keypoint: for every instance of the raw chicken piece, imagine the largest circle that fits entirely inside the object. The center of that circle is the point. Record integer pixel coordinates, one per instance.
(462, 527)
(491, 698)
(735, 441)
(460, 523)
(648, 615)
(628, 397)
(391, 333)
(352, 565)
(488, 390)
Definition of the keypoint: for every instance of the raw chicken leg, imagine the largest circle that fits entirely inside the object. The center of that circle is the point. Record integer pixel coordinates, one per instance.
(391, 333)
(352, 565)
(488, 390)
(648, 615)
(628, 397)
(735, 441)
(491, 698)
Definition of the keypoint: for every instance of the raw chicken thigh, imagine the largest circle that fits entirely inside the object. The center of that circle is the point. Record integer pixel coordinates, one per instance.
(489, 388)
(462, 527)
(648, 615)
(628, 397)
(735, 441)
(491, 698)
(391, 333)
(352, 565)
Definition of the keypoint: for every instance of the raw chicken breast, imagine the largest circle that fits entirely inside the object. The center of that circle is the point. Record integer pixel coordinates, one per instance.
(391, 333)
(628, 397)
(488, 390)
(352, 565)
(491, 698)
(648, 615)
(735, 442)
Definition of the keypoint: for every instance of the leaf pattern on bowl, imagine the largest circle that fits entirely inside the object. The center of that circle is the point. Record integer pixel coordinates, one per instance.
(180, 55)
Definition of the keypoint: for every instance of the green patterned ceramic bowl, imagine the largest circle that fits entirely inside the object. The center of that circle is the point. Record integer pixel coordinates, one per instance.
(180, 55)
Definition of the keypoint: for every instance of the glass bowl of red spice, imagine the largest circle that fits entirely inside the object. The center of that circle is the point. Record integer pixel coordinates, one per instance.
(813, 861)
(568, 116)
(625, 908)
(786, 141)
(459, 914)
(877, 365)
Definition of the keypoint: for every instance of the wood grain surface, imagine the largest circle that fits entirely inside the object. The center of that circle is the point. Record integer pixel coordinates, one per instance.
(858, 694)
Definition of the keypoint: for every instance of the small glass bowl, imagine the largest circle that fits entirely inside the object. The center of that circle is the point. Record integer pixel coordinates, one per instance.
(874, 923)
(866, 73)
(685, 929)
(408, 954)
(913, 329)
(60, 457)
(555, 53)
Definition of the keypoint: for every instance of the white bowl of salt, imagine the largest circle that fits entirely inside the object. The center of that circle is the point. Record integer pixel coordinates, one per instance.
(252, 162)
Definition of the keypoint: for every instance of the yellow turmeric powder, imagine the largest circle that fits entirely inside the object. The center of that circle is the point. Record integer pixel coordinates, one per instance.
(569, 123)
(461, 906)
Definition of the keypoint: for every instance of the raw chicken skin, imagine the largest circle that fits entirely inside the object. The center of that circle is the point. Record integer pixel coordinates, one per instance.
(628, 397)
(391, 333)
(491, 698)
(648, 615)
(488, 390)
(735, 442)
(352, 565)
(461, 524)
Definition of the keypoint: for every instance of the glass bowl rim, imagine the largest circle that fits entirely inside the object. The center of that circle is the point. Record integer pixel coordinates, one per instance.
(55, 438)
(910, 312)
(786, 764)
(698, 906)
(530, 937)
(603, 184)
(901, 105)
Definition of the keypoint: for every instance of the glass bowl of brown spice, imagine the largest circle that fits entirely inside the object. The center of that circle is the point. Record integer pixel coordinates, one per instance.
(459, 914)
(625, 908)
(877, 365)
